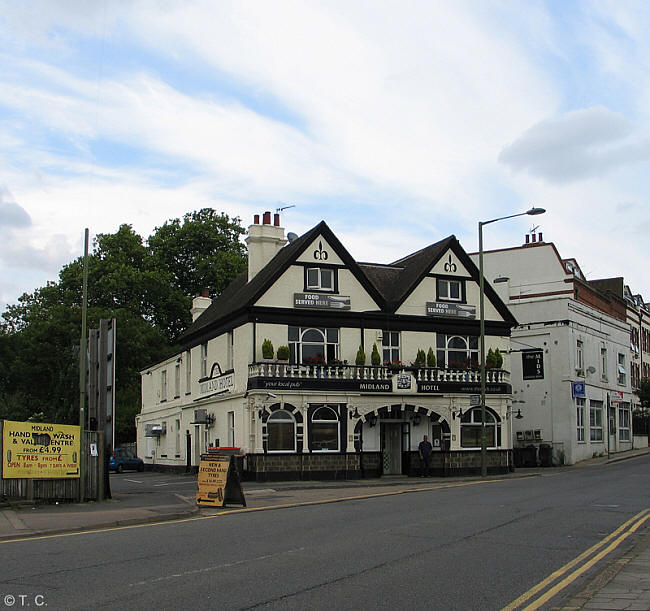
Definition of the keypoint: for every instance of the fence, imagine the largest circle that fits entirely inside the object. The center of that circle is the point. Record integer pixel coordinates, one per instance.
(61, 489)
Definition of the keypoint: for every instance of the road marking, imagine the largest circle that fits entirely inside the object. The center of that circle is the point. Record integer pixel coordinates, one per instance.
(165, 484)
(229, 512)
(217, 567)
(633, 523)
(135, 481)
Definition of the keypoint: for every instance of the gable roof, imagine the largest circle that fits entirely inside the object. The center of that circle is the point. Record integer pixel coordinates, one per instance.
(388, 285)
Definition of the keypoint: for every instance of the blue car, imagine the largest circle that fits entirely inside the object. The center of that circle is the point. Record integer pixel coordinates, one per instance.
(123, 459)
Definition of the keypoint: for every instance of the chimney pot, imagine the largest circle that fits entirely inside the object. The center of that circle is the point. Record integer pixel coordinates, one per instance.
(539, 239)
(205, 293)
(256, 219)
(534, 238)
(267, 218)
(276, 219)
(527, 239)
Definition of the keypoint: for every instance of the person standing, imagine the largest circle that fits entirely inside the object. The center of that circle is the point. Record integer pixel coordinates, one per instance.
(425, 448)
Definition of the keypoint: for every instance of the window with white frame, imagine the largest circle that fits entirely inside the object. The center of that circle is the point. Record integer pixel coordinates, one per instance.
(603, 362)
(231, 349)
(595, 420)
(390, 346)
(231, 429)
(580, 355)
(204, 360)
(281, 432)
(456, 351)
(320, 279)
(188, 372)
(621, 371)
(177, 380)
(624, 420)
(580, 419)
(313, 346)
(325, 427)
(449, 290)
(177, 428)
(163, 385)
(471, 427)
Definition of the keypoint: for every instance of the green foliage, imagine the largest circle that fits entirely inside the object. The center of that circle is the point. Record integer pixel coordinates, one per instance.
(498, 358)
(146, 285)
(375, 357)
(420, 358)
(643, 392)
(490, 359)
(431, 358)
(283, 353)
(267, 349)
(360, 361)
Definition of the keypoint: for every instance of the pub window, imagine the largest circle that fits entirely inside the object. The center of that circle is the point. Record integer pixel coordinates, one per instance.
(580, 419)
(177, 381)
(624, 423)
(312, 346)
(324, 430)
(281, 429)
(457, 351)
(471, 426)
(163, 385)
(622, 372)
(449, 290)
(188, 372)
(320, 279)
(390, 345)
(204, 360)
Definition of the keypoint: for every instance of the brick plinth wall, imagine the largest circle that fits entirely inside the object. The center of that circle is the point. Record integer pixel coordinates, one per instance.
(464, 463)
(277, 467)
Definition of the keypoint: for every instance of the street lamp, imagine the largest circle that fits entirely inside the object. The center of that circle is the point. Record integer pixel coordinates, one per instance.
(532, 212)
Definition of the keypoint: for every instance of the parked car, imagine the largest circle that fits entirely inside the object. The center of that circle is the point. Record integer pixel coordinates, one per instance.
(123, 459)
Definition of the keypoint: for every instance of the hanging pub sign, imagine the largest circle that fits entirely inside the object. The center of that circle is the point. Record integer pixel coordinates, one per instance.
(578, 390)
(457, 310)
(320, 301)
(532, 364)
(218, 482)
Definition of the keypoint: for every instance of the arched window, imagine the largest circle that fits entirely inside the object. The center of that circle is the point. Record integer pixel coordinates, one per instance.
(310, 346)
(281, 429)
(456, 351)
(324, 430)
(471, 425)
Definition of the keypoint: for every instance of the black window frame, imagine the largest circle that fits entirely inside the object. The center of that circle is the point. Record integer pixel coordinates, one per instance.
(335, 279)
(462, 289)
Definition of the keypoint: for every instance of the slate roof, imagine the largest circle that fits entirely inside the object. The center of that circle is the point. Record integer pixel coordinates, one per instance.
(389, 285)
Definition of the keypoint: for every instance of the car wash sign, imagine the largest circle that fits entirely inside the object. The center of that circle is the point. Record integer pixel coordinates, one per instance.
(38, 450)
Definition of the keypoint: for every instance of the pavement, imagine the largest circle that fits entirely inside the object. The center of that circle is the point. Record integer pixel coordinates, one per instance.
(625, 584)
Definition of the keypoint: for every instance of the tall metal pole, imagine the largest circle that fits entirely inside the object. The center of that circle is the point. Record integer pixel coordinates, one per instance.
(482, 348)
(83, 366)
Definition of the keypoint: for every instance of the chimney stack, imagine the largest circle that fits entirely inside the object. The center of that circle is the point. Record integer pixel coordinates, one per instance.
(264, 242)
(527, 239)
(200, 304)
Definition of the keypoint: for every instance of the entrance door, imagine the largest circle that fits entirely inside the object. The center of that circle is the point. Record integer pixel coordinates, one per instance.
(392, 447)
(611, 429)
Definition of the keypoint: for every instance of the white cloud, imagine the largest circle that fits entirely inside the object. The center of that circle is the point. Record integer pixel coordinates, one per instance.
(577, 145)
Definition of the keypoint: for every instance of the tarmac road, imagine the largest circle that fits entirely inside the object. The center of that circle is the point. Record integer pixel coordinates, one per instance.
(469, 546)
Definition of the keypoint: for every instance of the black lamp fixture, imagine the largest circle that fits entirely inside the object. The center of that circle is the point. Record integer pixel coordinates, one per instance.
(356, 413)
(458, 413)
(416, 419)
(372, 419)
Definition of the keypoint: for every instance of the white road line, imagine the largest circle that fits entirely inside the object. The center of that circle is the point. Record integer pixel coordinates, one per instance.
(135, 481)
(218, 567)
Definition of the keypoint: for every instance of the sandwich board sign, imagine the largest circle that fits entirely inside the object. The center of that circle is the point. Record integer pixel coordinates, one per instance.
(218, 482)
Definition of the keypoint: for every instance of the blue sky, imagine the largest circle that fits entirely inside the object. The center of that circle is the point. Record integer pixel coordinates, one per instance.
(397, 123)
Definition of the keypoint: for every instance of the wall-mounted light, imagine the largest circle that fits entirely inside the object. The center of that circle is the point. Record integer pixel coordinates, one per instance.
(518, 415)
(372, 419)
(416, 419)
(356, 413)
(456, 413)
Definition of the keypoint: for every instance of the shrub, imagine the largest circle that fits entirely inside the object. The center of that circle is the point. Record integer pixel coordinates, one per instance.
(267, 349)
(420, 358)
(283, 353)
(431, 358)
(490, 359)
(360, 361)
(375, 358)
(499, 359)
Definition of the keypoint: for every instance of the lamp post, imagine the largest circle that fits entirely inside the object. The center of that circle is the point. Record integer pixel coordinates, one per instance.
(533, 211)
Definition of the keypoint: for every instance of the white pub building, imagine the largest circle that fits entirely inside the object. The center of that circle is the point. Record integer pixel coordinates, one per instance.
(320, 405)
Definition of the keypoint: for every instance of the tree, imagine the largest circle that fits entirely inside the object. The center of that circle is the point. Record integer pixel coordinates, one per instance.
(141, 284)
(202, 251)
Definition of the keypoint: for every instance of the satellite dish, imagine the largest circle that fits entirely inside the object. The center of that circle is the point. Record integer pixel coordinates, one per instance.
(292, 237)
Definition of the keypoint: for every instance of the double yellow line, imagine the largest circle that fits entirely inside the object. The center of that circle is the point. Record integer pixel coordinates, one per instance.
(611, 541)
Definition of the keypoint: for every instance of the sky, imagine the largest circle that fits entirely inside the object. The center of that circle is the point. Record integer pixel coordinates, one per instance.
(399, 123)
